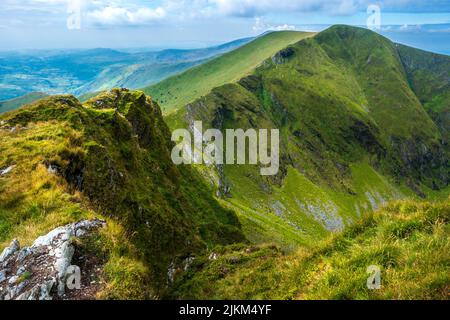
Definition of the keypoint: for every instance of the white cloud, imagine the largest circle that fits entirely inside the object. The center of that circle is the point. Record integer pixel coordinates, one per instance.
(173, 12)
(50, 6)
(344, 7)
(252, 8)
(282, 27)
(261, 7)
(407, 27)
(261, 26)
(123, 16)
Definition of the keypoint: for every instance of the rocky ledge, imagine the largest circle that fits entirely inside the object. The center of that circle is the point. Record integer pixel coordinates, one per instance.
(40, 272)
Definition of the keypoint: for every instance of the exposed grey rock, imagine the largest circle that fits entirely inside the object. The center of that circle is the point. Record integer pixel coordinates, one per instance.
(23, 253)
(20, 271)
(45, 290)
(279, 208)
(283, 55)
(188, 262)
(13, 280)
(171, 273)
(24, 296)
(9, 251)
(38, 271)
(380, 198)
(213, 256)
(372, 201)
(6, 170)
(29, 295)
(325, 213)
(52, 169)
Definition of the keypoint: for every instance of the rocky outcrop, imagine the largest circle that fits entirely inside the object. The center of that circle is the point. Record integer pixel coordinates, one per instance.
(283, 55)
(40, 272)
(6, 170)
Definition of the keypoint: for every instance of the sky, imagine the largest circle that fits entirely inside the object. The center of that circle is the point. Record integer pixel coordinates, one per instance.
(64, 24)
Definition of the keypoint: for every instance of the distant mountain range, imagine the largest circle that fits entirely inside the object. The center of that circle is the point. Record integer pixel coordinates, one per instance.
(82, 71)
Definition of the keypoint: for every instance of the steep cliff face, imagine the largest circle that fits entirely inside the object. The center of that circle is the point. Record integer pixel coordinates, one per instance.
(109, 157)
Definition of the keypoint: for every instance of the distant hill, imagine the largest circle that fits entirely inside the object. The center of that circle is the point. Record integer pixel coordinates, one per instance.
(13, 104)
(183, 88)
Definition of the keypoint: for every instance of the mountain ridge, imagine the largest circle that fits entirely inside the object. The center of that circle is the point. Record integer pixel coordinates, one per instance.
(345, 118)
(183, 88)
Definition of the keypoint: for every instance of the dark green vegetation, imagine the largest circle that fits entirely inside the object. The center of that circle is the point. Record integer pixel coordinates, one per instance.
(16, 103)
(82, 71)
(407, 240)
(181, 89)
(109, 158)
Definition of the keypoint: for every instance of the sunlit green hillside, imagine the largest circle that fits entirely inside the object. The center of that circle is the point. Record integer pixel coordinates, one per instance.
(184, 88)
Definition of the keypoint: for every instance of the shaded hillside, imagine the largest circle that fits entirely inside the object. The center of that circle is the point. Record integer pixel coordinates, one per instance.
(429, 77)
(412, 138)
(62, 161)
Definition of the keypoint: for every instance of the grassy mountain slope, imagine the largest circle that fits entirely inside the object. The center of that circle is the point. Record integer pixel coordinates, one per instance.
(184, 88)
(407, 240)
(108, 158)
(134, 75)
(379, 69)
(16, 103)
(353, 136)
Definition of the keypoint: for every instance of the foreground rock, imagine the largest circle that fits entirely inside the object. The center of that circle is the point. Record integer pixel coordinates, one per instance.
(40, 272)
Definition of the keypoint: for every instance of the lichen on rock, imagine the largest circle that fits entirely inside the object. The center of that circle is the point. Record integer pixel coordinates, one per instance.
(39, 272)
